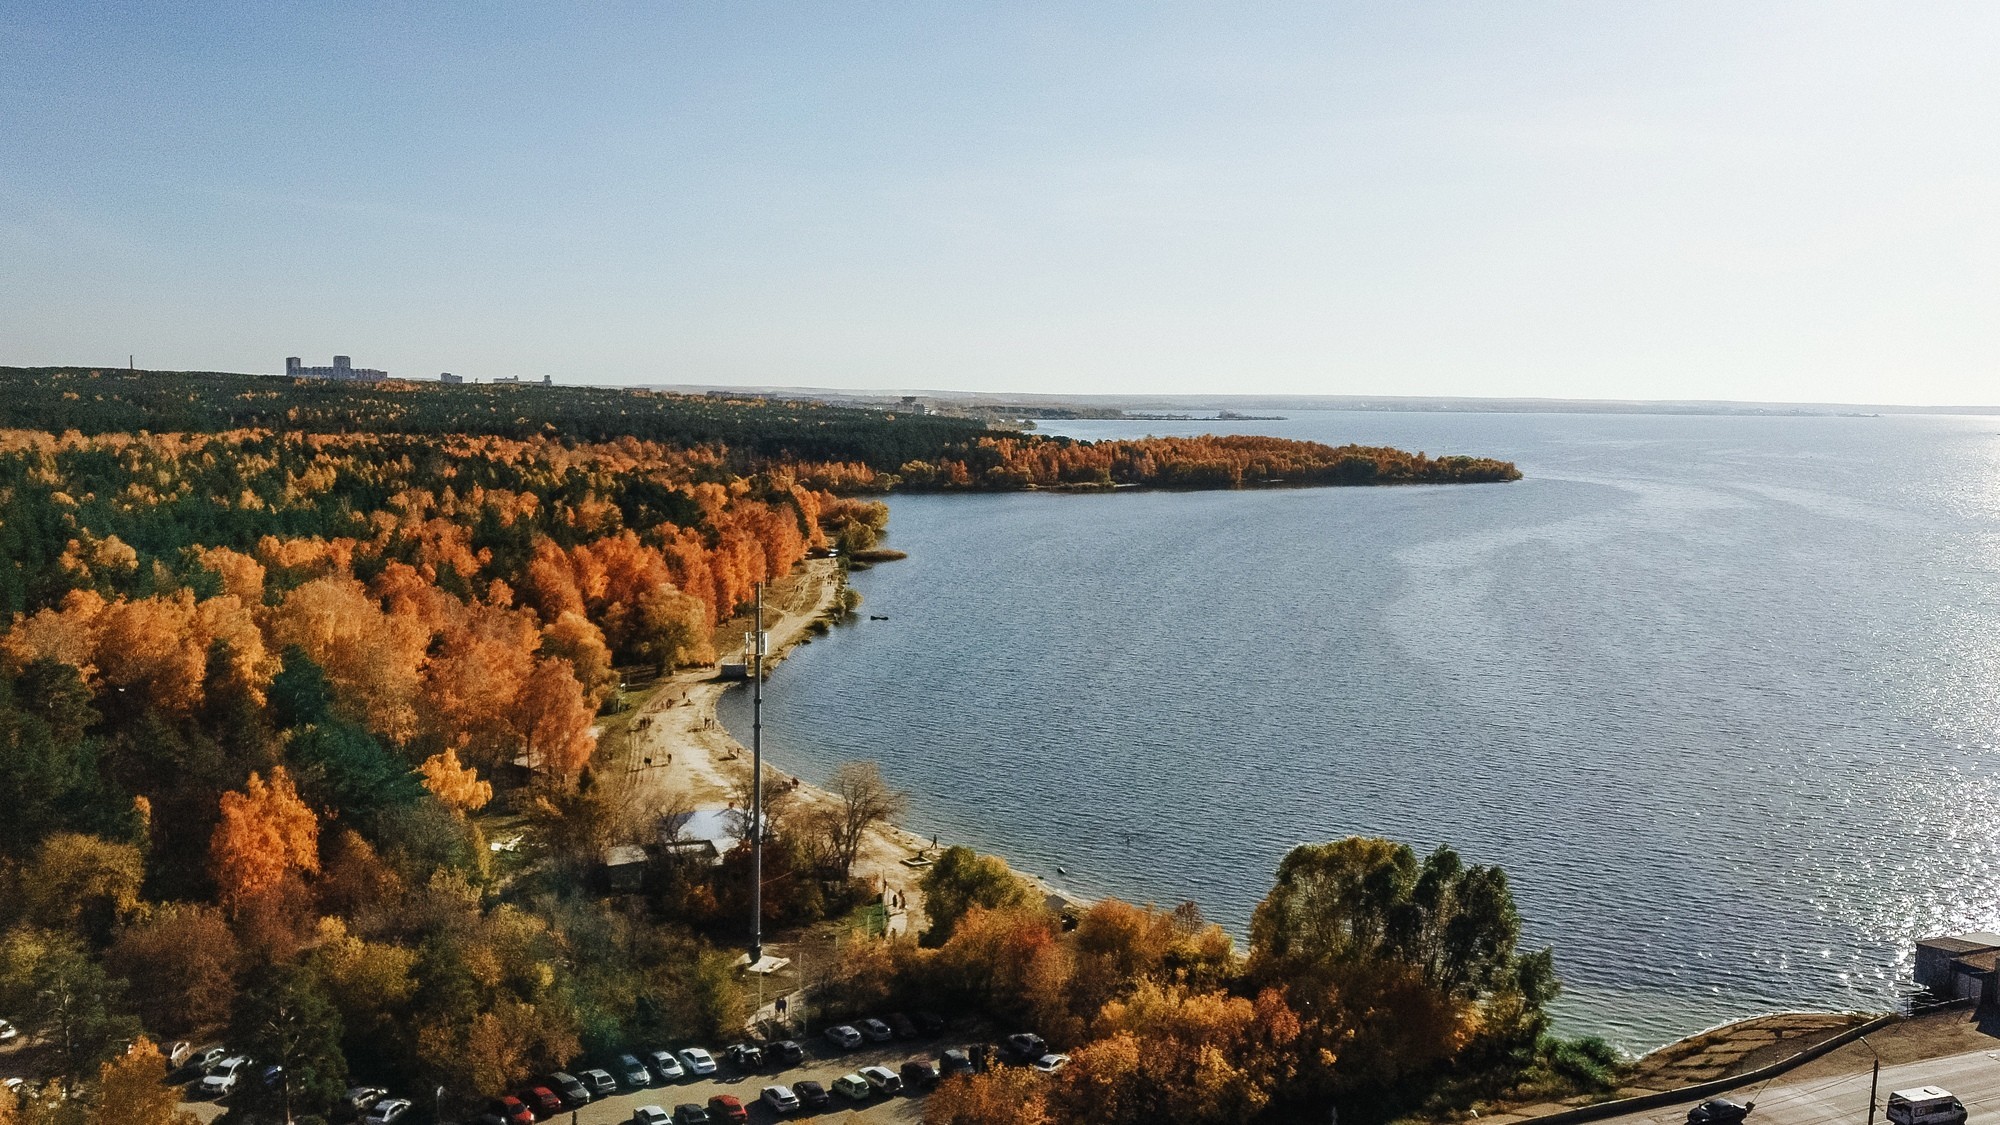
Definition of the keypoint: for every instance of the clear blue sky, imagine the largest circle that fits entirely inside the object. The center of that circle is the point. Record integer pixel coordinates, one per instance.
(1691, 200)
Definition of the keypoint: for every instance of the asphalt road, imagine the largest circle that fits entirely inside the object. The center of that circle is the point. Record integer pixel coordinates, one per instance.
(1974, 1077)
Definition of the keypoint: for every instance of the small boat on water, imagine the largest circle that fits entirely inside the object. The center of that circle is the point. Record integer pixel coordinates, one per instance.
(878, 617)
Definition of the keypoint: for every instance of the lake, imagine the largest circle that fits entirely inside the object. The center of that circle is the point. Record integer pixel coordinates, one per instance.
(1722, 694)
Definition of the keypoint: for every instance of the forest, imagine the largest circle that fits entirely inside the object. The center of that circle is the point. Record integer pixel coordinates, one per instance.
(276, 654)
(883, 450)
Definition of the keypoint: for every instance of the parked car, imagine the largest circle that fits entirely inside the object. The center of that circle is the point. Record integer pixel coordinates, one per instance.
(542, 1100)
(8, 1032)
(843, 1037)
(360, 1099)
(902, 1025)
(725, 1109)
(222, 1081)
(748, 1056)
(1025, 1047)
(1925, 1105)
(200, 1062)
(697, 1061)
(1719, 1111)
(599, 1081)
(388, 1111)
(665, 1066)
(883, 1079)
(957, 1060)
(781, 1099)
(876, 1031)
(930, 1023)
(511, 1110)
(569, 1088)
(920, 1074)
(487, 1119)
(853, 1086)
(632, 1072)
(1049, 1064)
(688, 1113)
(811, 1094)
(649, 1115)
(786, 1052)
(176, 1052)
(14, 1085)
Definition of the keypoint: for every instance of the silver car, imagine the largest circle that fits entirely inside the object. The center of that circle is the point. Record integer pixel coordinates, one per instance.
(780, 1099)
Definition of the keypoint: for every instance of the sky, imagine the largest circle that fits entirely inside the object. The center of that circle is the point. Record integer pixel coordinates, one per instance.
(1749, 201)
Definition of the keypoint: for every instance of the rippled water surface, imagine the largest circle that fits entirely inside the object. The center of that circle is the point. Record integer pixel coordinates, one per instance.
(1721, 694)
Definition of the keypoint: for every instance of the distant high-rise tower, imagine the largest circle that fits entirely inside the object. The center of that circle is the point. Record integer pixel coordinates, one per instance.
(342, 363)
(292, 365)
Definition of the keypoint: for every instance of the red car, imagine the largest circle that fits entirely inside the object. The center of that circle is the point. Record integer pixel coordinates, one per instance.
(724, 1107)
(512, 1110)
(541, 1100)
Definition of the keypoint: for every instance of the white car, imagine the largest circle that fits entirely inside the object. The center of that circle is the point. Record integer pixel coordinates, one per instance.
(665, 1066)
(1049, 1064)
(843, 1037)
(780, 1099)
(388, 1111)
(649, 1115)
(883, 1079)
(8, 1031)
(698, 1061)
(221, 1082)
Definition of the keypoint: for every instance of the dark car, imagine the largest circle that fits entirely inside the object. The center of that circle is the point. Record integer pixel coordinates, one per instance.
(958, 1060)
(511, 1110)
(725, 1109)
(631, 1072)
(812, 1095)
(1719, 1111)
(786, 1052)
(747, 1056)
(1025, 1047)
(920, 1074)
(542, 1100)
(688, 1113)
(569, 1088)
(902, 1025)
(930, 1023)
(875, 1030)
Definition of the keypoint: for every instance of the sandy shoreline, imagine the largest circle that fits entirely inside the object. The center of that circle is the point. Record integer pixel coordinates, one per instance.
(677, 729)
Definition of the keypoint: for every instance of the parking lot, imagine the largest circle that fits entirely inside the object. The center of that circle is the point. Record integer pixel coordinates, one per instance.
(823, 1063)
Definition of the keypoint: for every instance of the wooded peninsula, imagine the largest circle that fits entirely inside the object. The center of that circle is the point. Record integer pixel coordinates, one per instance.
(279, 653)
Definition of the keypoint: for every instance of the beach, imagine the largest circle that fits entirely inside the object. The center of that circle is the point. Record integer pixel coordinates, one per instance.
(694, 756)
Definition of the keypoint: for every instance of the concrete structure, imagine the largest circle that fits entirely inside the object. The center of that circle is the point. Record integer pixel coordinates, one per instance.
(343, 369)
(1961, 967)
(448, 377)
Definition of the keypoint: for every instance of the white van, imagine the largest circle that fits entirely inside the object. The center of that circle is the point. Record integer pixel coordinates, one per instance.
(1925, 1105)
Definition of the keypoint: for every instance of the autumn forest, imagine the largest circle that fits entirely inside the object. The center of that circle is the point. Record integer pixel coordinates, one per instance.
(275, 651)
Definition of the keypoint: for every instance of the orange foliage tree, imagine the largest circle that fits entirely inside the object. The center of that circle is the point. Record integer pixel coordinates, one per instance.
(265, 835)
